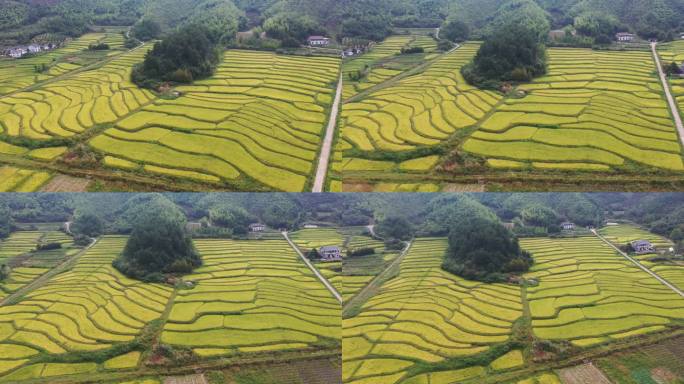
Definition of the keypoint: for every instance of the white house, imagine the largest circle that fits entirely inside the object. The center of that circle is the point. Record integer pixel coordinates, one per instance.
(568, 226)
(642, 247)
(318, 41)
(625, 37)
(257, 227)
(330, 253)
(310, 226)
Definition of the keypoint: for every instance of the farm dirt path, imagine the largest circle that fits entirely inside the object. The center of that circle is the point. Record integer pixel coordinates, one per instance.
(670, 99)
(313, 269)
(638, 264)
(68, 263)
(324, 158)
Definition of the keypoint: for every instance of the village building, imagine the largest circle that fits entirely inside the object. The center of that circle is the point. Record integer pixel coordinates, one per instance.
(557, 34)
(330, 253)
(509, 226)
(310, 226)
(318, 41)
(568, 226)
(625, 37)
(642, 247)
(257, 227)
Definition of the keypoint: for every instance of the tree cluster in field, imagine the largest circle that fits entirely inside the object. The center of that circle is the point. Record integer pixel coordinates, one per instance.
(183, 56)
(48, 246)
(367, 251)
(98, 47)
(480, 247)
(514, 51)
(159, 244)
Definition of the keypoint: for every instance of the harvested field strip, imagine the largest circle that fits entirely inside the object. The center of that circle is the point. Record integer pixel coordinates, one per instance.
(588, 294)
(18, 74)
(88, 308)
(75, 104)
(426, 315)
(358, 271)
(22, 180)
(261, 115)
(252, 296)
(593, 107)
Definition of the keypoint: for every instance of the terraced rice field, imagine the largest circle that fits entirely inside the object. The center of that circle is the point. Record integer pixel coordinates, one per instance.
(307, 239)
(22, 180)
(424, 316)
(74, 104)
(419, 111)
(358, 271)
(19, 243)
(382, 51)
(21, 73)
(34, 266)
(259, 119)
(674, 52)
(89, 308)
(672, 271)
(625, 233)
(252, 296)
(588, 294)
(594, 111)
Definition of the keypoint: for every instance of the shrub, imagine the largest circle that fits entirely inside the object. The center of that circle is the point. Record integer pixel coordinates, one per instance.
(362, 252)
(49, 246)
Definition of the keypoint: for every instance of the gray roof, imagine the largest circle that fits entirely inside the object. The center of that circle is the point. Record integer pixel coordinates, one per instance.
(330, 249)
(641, 243)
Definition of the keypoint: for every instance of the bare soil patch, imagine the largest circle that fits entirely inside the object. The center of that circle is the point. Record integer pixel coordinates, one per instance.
(189, 379)
(583, 374)
(63, 183)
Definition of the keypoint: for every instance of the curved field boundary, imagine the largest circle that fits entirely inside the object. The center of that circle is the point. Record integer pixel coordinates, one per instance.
(16, 74)
(90, 307)
(258, 120)
(22, 180)
(640, 265)
(588, 294)
(425, 316)
(251, 297)
(593, 111)
(74, 104)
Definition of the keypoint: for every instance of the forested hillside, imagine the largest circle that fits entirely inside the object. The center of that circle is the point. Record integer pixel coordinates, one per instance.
(23, 20)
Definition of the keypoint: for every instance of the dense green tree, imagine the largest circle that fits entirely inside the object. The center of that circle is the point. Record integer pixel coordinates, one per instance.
(233, 217)
(159, 244)
(5, 221)
(596, 24)
(146, 30)
(184, 56)
(455, 30)
(291, 29)
(515, 49)
(483, 249)
(677, 234)
(395, 227)
(538, 215)
(87, 223)
(281, 211)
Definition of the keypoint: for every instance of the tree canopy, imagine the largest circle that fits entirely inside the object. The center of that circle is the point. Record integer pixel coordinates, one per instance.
(514, 50)
(87, 223)
(159, 244)
(184, 56)
(5, 221)
(395, 226)
(455, 30)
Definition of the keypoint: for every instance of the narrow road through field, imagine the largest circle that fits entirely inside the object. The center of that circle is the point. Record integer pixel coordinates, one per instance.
(313, 269)
(638, 264)
(68, 263)
(324, 158)
(670, 99)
